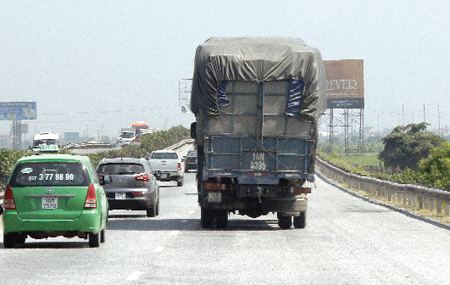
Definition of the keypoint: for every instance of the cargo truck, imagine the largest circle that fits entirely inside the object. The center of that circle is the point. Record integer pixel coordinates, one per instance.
(257, 102)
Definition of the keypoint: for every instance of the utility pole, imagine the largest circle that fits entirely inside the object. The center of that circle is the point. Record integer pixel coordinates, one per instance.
(439, 121)
(424, 114)
(403, 114)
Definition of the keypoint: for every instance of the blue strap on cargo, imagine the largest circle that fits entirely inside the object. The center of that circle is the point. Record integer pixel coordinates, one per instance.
(295, 98)
(222, 98)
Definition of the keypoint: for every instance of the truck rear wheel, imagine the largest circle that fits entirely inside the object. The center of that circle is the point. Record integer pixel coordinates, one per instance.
(284, 222)
(222, 219)
(300, 221)
(207, 218)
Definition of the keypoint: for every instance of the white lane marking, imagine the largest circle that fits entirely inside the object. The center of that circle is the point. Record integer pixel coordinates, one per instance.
(159, 249)
(135, 275)
(183, 221)
(174, 233)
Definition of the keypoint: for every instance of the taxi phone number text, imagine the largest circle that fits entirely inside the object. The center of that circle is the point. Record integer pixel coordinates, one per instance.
(52, 176)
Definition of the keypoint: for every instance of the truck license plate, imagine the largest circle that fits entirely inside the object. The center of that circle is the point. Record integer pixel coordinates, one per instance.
(214, 197)
(49, 203)
(164, 175)
(121, 196)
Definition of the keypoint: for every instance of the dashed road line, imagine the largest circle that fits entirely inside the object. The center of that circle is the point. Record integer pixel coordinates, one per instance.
(159, 249)
(135, 275)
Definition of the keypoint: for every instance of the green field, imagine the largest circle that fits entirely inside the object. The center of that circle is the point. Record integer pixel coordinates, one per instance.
(361, 160)
(367, 164)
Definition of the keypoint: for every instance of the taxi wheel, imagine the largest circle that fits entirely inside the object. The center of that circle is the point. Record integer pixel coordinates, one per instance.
(94, 240)
(151, 212)
(103, 235)
(9, 240)
(21, 239)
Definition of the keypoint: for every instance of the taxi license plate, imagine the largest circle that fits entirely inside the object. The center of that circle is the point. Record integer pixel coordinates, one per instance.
(121, 196)
(49, 203)
(214, 197)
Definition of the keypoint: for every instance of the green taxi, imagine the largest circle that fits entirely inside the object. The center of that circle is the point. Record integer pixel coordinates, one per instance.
(50, 195)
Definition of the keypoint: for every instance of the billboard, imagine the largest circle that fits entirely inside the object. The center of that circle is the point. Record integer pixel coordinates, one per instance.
(345, 83)
(18, 111)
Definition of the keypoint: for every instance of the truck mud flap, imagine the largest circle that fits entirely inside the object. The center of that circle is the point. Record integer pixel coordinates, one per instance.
(288, 207)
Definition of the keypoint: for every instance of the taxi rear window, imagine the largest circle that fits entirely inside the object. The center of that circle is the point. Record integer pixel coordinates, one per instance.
(50, 174)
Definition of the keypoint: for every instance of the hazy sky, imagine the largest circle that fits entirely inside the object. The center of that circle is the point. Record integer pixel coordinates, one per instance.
(98, 66)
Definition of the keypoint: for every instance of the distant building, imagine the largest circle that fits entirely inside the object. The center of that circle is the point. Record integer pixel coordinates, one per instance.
(71, 137)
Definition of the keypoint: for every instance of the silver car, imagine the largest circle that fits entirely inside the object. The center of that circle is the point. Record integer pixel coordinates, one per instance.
(133, 185)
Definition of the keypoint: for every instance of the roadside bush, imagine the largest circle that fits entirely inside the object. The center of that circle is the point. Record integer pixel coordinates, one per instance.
(7, 160)
(135, 151)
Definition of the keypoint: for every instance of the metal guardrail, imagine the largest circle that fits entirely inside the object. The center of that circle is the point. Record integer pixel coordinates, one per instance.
(415, 196)
(88, 145)
(181, 144)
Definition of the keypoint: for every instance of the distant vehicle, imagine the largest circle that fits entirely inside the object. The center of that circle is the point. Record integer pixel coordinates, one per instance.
(142, 128)
(127, 135)
(191, 161)
(133, 186)
(51, 195)
(45, 138)
(167, 166)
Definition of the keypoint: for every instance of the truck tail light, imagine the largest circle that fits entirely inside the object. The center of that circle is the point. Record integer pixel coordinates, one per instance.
(91, 198)
(179, 166)
(142, 177)
(300, 190)
(214, 186)
(8, 201)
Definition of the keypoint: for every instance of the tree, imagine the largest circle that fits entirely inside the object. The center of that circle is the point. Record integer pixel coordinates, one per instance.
(435, 170)
(163, 139)
(404, 147)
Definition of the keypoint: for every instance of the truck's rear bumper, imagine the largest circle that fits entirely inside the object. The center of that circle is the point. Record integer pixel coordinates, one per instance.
(287, 206)
(269, 178)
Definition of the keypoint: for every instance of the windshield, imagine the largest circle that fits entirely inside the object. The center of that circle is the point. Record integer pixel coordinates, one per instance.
(38, 143)
(50, 174)
(192, 153)
(164, 155)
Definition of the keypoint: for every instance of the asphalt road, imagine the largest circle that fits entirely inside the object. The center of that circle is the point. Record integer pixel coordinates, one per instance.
(347, 241)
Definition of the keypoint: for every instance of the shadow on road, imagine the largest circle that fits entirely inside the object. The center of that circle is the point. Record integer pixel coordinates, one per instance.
(151, 224)
(50, 243)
